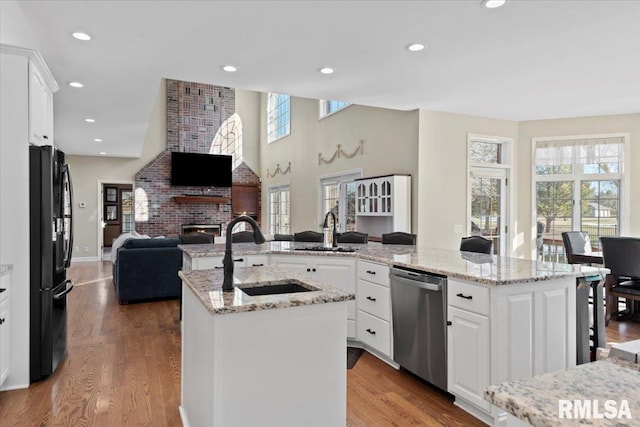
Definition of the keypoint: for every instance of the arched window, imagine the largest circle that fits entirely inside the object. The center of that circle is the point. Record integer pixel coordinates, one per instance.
(228, 140)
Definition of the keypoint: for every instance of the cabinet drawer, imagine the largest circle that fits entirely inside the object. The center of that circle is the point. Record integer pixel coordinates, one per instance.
(374, 332)
(374, 299)
(206, 263)
(256, 260)
(373, 272)
(473, 298)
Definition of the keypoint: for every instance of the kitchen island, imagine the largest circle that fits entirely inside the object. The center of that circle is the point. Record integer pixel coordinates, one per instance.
(561, 398)
(507, 318)
(270, 360)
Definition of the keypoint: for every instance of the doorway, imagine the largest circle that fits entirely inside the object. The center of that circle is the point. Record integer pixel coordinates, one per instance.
(117, 213)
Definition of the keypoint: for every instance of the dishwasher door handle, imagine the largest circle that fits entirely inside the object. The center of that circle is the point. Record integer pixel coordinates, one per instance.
(422, 285)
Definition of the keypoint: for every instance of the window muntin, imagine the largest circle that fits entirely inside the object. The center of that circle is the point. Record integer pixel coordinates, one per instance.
(279, 210)
(586, 175)
(278, 116)
(338, 194)
(328, 107)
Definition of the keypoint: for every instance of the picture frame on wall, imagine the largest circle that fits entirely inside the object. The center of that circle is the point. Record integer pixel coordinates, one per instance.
(111, 195)
(111, 213)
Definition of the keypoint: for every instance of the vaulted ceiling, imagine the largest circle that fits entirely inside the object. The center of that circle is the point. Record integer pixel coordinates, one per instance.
(531, 59)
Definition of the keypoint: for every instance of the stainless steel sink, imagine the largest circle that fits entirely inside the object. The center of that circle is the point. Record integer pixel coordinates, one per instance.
(289, 287)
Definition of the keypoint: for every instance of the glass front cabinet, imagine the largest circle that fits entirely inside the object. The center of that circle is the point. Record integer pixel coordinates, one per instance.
(383, 197)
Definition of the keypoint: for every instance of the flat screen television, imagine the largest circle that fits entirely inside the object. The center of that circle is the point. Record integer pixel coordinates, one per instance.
(202, 170)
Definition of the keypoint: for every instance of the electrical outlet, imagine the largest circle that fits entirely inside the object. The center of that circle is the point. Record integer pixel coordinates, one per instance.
(77, 249)
(86, 249)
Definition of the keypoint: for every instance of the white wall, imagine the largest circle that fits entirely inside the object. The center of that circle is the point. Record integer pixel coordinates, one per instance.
(442, 201)
(390, 146)
(566, 127)
(14, 207)
(248, 108)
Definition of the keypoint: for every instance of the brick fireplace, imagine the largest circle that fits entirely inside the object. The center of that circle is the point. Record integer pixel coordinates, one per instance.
(195, 113)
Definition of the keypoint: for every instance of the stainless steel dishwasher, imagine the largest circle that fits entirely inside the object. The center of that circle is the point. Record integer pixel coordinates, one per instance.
(418, 302)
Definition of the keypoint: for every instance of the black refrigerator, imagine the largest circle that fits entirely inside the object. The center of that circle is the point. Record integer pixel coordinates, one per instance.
(51, 241)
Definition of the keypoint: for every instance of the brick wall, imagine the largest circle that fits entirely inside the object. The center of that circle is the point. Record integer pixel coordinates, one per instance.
(195, 112)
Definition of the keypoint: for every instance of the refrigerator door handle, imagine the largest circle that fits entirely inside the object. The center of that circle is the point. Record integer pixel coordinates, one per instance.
(66, 290)
(70, 243)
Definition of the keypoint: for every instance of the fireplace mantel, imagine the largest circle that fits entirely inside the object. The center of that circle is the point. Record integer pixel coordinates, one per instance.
(201, 199)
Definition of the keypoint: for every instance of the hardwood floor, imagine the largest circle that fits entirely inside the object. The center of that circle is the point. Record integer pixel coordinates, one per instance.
(123, 368)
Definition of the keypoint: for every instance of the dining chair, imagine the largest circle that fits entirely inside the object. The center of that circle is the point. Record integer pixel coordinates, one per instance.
(195, 238)
(476, 244)
(575, 242)
(622, 257)
(352, 237)
(242, 237)
(308, 236)
(283, 237)
(398, 238)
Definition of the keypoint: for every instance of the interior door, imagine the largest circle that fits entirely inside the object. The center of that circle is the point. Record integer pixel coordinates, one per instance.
(117, 211)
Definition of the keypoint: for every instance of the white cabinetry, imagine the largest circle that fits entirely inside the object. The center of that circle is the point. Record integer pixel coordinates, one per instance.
(503, 333)
(383, 204)
(40, 108)
(374, 307)
(334, 271)
(4, 327)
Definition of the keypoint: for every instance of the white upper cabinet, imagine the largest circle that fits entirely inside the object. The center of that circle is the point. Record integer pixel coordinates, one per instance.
(40, 108)
(383, 204)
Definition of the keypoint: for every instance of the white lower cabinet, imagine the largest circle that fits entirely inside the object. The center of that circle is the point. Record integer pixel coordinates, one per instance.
(4, 340)
(374, 307)
(334, 271)
(468, 349)
(506, 332)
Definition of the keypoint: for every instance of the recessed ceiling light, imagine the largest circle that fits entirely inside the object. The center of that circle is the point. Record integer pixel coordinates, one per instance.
(230, 68)
(76, 84)
(82, 36)
(415, 47)
(90, 120)
(493, 4)
(97, 140)
(326, 70)
(102, 153)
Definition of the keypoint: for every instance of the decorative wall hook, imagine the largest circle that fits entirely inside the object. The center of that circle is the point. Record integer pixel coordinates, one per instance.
(341, 153)
(279, 171)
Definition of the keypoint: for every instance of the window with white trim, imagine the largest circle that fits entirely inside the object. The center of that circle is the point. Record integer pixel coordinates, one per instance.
(279, 208)
(338, 194)
(578, 183)
(228, 140)
(488, 198)
(328, 107)
(278, 116)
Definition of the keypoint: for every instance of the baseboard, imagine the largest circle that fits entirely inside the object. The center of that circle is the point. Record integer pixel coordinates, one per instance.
(183, 416)
(14, 387)
(84, 259)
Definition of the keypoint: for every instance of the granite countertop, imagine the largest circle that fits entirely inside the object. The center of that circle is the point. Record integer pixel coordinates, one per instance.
(4, 269)
(536, 399)
(207, 286)
(479, 268)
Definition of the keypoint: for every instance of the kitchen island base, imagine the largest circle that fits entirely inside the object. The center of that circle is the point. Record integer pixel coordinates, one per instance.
(284, 367)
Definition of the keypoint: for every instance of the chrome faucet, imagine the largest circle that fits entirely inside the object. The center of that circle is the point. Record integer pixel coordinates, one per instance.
(335, 223)
(227, 262)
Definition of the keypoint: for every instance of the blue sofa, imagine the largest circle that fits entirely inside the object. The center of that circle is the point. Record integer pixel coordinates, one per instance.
(147, 269)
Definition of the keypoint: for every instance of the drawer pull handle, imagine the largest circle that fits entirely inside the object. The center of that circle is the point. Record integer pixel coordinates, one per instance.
(2, 290)
(371, 272)
(239, 260)
(313, 269)
(308, 269)
(258, 265)
(371, 332)
(219, 268)
(1, 321)
(461, 295)
(371, 299)
(45, 136)
(449, 323)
